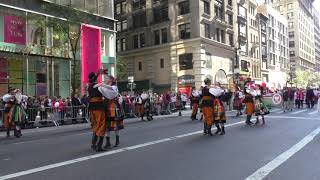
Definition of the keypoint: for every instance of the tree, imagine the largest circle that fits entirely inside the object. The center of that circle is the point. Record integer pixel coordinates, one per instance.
(306, 78)
(66, 26)
(121, 69)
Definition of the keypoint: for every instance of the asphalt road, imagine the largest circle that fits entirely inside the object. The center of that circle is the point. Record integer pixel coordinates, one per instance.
(171, 148)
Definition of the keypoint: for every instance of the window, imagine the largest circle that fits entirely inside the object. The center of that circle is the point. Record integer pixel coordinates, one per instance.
(230, 39)
(230, 19)
(118, 45)
(184, 7)
(223, 40)
(219, 10)
(290, 25)
(142, 40)
(290, 15)
(140, 66)
(230, 2)
(161, 63)
(164, 35)
(206, 6)
(208, 61)
(139, 20)
(137, 4)
(218, 34)
(123, 44)
(207, 31)
(185, 32)
(118, 26)
(292, 53)
(291, 34)
(135, 41)
(156, 37)
(160, 14)
(118, 8)
(185, 61)
(291, 43)
(290, 6)
(245, 66)
(123, 7)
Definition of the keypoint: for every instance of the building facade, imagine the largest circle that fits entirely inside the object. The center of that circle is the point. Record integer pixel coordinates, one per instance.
(301, 32)
(176, 44)
(277, 65)
(37, 58)
(316, 18)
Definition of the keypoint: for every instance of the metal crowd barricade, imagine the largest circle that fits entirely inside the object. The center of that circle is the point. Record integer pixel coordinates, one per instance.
(1, 118)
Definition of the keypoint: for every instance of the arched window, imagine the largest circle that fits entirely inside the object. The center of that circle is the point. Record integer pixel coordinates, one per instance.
(221, 77)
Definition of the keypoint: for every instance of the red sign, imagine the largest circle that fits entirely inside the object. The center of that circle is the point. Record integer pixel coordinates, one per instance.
(90, 52)
(14, 30)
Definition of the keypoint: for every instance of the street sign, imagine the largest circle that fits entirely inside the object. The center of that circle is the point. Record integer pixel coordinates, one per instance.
(130, 79)
(276, 99)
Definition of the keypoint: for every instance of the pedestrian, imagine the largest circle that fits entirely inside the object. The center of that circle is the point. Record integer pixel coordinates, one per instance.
(139, 106)
(179, 103)
(291, 94)
(207, 107)
(237, 102)
(300, 97)
(310, 98)
(194, 100)
(76, 104)
(218, 108)
(285, 98)
(115, 113)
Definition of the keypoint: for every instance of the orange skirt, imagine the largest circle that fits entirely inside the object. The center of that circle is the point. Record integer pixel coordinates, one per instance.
(208, 115)
(195, 107)
(98, 122)
(249, 108)
(7, 122)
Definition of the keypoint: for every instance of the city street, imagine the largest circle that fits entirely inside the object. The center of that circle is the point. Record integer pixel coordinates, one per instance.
(171, 147)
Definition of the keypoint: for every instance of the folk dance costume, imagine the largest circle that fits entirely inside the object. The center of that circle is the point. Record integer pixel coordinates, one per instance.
(207, 107)
(194, 99)
(218, 109)
(249, 102)
(148, 108)
(14, 112)
(237, 102)
(97, 94)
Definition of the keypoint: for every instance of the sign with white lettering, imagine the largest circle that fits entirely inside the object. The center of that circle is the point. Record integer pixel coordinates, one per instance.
(14, 30)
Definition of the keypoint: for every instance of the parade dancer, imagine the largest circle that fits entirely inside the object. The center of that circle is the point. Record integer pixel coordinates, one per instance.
(14, 111)
(207, 107)
(260, 108)
(115, 113)
(218, 109)
(97, 93)
(248, 100)
(194, 100)
(148, 106)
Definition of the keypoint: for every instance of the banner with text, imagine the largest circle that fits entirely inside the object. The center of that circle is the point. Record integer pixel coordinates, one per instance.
(14, 30)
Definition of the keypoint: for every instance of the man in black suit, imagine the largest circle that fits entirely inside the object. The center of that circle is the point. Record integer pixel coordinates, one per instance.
(76, 103)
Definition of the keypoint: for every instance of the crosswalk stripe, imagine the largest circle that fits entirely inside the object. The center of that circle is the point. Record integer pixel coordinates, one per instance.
(314, 112)
(276, 110)
(297, 112)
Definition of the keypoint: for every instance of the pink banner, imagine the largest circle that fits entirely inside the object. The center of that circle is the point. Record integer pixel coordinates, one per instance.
(90, 52)
(14, 30)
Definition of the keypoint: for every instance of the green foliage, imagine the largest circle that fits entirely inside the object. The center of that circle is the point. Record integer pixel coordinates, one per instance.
(306, 78)
(121, 69)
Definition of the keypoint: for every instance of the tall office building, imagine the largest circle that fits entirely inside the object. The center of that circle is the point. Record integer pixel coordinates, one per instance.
(176, 44)
(316, 18)
(301, 32)
(275, 42)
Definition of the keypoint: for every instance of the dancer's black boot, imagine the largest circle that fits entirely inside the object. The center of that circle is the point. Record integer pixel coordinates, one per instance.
(94, 141)
(205, 130)
(8, 132)
(222, 130)
(117, 141)
(99, 145)
(209, 131)
(263, 122)
(218, 128)
(248, 122)
(108, 144)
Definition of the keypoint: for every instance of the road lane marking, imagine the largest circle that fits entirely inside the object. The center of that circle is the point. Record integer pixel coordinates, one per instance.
(314, 112)
(297, 112)
(86, 158)
(272, 165)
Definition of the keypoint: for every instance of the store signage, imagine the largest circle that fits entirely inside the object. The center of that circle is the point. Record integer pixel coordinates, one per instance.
(186, 79)
(14, 30)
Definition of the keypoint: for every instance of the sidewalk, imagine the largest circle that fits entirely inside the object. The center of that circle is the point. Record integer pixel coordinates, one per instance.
(82, 126)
